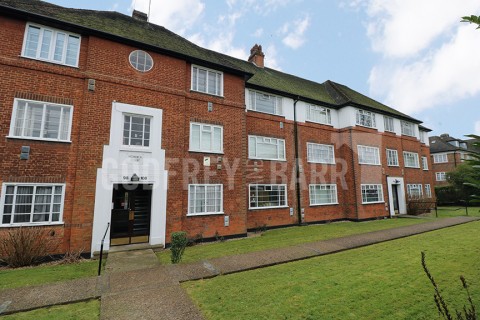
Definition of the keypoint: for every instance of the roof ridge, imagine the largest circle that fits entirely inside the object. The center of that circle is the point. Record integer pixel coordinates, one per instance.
(338, 90)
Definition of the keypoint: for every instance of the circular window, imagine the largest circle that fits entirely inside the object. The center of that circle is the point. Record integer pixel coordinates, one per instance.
(141, 60)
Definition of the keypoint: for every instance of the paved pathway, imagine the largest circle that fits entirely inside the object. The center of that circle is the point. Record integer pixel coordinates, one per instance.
(136, 286)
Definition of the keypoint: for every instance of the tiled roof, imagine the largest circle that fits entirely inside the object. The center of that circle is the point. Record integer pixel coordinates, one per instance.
(153, 37)
(440, 144)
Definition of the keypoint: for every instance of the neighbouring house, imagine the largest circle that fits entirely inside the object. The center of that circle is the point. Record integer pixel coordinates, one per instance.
(109, 120)
(447, 153)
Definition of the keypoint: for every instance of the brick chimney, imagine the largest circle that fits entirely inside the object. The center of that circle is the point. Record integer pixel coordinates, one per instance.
(257, 57)
(138, 15)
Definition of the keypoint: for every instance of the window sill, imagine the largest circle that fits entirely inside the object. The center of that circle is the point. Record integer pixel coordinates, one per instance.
(39, 139)
(208, 94)
(376, 202)
(264, 208)
(271, 114)
(265, 159)
(391, 165)
(51, 62)
(31, 224)
(412, 167)
(135, 149)
(370, 164)
(324, 204)
(205, 214)
(359, 125)
(316, 162)
(206, 151)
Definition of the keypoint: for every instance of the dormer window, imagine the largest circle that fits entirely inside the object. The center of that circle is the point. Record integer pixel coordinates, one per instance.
(366, 119)
(51, 45)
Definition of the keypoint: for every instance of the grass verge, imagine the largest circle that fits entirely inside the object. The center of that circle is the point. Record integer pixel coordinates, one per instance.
(89, 310)
(30, 276)
(447, 212)
(383, 281)
(285, 237)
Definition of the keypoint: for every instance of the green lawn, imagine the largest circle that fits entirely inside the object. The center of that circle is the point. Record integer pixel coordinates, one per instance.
(285, 237)
(446, 212)
(14, 278)
(383, 281)
(88, 310)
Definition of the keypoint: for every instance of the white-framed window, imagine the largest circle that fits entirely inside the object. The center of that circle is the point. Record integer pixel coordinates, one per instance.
(207, 80)
(414, 190)
(319, 114)
(141, 61)
(389, 124)
(266, 148)
(30, 204)
(38, 120)
(440, 158)
(428, 191)
(205, 199)
(372, 193)
(368, 155)
(263, 196)
(136, 130)
(265, 102)
(392, 158)
(52, 45)
(320, 153)
(323, 194)
(206, 138)
(424, 163)
(410, 159)
(366, 119)
(408, 128)
(441, 176)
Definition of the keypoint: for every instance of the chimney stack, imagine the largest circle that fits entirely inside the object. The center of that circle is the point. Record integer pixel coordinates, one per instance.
(138, 15)
(257, 57)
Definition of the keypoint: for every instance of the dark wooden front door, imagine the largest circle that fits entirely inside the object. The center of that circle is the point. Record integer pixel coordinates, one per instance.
(130, 214)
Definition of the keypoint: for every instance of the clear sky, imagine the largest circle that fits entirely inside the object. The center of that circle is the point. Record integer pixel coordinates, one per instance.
(412, 55)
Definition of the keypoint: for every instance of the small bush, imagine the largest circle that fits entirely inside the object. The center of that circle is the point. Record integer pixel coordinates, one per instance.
(179, 243)
(416, 206)
(72, 256)
(447, 195)
(26, 246)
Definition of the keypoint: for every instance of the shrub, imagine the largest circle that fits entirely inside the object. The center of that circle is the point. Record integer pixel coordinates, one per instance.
(72, 256)
(179, 243)
(416, 206)
(447, 195)
(25, 246)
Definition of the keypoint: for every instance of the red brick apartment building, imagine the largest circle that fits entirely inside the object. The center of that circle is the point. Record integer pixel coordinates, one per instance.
(109, 119)
(447, 153)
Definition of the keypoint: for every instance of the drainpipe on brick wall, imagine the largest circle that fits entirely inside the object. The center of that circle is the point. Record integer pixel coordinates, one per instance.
(354, 174)
(455, 159)
(297, 161)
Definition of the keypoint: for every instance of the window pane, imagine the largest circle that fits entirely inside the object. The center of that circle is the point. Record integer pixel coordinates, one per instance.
(206, 138)
(59, 45)
(265, 103)
(202, 80)
(212, 81)
(217, 139)
(65, 121)
(73, 47)
(31, 45)
(195, 136)
(20, 118)
(52, 122)
(46, 42)
(33, 120)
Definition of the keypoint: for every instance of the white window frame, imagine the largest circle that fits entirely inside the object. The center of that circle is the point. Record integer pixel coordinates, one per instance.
(364, 117)
(266, 185)
(194, 81)
(321, 148)
(129, 145)
(425, 163)
(411, 156)
(415, 186)
(441, 176)
(361, 156)
(440, 158)
(202, 130)
(428, 191)
(389, 124)
(378, 187)
(52, 47)
(204, 213)
(280, 143)
(133, 58)
(45, 106)
(408, 128)
(392, 158)
(319, 114)
(35, 186)
(423, 136)
(277, 102)
(323, 187)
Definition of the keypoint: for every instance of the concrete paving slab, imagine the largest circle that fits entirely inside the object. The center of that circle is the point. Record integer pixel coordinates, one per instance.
(131, 260)
(139, 279)
(192, 271)
(162, 303)
(29, 298)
